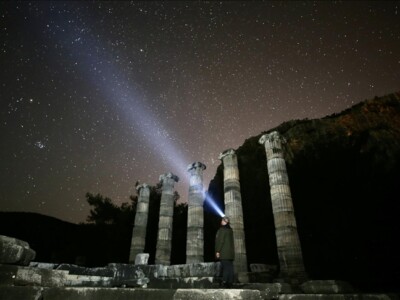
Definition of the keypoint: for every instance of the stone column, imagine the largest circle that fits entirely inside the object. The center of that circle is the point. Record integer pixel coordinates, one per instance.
(195, 230)
(163, 251)
(287, 238)
(139, 230)
(233, 207)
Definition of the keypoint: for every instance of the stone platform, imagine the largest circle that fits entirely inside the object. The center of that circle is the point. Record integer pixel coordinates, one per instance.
(90, 293)
(119, 282)
(22, 279)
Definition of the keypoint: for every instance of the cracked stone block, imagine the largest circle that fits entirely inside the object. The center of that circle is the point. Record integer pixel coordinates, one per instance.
(14, 251)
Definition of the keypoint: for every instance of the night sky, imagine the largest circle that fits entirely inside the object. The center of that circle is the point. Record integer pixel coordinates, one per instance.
(98, 95)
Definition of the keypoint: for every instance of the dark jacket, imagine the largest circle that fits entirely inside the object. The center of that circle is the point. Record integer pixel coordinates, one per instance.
(224, 243)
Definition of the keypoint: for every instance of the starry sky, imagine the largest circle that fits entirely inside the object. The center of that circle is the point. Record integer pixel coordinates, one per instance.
(98, 95)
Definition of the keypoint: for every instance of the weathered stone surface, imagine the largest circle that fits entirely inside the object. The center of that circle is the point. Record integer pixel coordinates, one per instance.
(78, 270)
(89, 281)
(14, 251)
(163, 249)
(338, 297)
(182, 283)
(233, 208)
(199, 275)
(40, 277)
(142, 258)
(106, 294)
(139, 231)
(203, 269)
(91, 293)
(216, 294)
(263, 268)
(130, 275)
(243, 277)
(195, 221)
(261, 277)
(326, 287)
(268, 290)
(27, 276)
(20, 293)
(287, 238)
(8, 274)
(43, 265)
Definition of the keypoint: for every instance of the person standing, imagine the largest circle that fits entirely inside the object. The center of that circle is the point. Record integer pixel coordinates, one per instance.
(225, 251)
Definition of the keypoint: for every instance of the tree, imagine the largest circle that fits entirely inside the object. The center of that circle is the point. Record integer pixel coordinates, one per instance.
(104, 211)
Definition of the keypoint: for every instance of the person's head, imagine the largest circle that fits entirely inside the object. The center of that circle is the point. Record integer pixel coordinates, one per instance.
(224, 220)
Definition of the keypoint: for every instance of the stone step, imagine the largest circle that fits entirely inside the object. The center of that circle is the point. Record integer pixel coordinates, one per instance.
(89, 293)
(353, 296)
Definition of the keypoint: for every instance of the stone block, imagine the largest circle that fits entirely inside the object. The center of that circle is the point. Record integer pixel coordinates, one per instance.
(184, 283)
(14, 251)
(20, 293)
(43, 265)
(89, 281)
(182, 270)
(260, 277)
(78, 270)
(40, 277)
(216, 294)
(273, 290)
(202, 269)
(160, 271)
(142, 258)
(338, 297)
(8, 274)
(326, 287)
(258, 268)
(27, 276)
(243, 277)
(131, 275)
(86, 293)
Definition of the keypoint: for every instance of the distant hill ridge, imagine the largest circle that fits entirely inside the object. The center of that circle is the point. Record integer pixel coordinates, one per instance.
(372, 119)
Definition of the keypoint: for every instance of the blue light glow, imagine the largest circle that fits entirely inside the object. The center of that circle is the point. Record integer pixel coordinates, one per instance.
(214, 205)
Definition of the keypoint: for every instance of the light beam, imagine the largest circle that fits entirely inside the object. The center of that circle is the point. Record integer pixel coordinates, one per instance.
(214, 205)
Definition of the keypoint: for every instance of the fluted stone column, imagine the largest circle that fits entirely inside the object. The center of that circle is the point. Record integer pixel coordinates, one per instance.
(139, 230)
(287, 238)
(195, 230)
(163, 251)
(233, 207)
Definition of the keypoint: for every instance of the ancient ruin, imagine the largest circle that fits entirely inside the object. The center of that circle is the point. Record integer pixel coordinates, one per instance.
(22, 278)
(287, 238)
(163, 250)
(233, 207)
(139, 230)
(195, 230)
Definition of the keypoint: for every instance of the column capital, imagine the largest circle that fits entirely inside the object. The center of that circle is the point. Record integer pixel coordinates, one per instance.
(271, 137)
(170, 176)
(229, 151)
(196, 165)
(143, 185)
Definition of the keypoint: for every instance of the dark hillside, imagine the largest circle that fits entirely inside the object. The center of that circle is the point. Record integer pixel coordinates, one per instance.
(344, 172)
(57, 241)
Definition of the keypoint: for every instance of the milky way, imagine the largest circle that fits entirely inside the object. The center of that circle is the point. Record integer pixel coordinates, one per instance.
(98, 95)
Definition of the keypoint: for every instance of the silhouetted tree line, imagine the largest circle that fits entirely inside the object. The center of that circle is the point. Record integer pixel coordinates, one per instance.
(119, 221)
